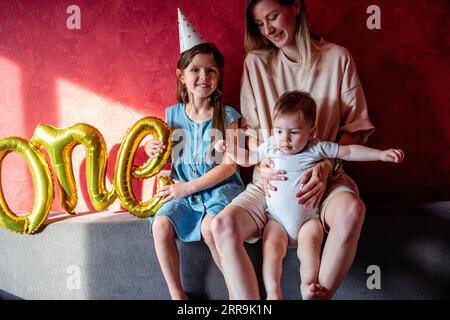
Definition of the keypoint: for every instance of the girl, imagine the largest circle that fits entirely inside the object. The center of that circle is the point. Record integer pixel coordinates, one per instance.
(202, 189)
(283, 56)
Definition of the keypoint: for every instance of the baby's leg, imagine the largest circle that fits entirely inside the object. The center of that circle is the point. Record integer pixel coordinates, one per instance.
(275, 241)
(310, 239)
(168, 257)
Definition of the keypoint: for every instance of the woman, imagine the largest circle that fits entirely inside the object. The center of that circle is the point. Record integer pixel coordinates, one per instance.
(282, 56)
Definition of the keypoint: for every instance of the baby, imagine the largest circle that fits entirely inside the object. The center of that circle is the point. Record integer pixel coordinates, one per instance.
(293, 149)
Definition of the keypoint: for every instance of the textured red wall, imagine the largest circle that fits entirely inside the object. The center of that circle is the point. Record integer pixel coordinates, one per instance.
(126, 52)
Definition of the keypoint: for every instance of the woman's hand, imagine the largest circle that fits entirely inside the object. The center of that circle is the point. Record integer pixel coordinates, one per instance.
(175, 191)
(268, 173)
(153, 148)
(314, 184)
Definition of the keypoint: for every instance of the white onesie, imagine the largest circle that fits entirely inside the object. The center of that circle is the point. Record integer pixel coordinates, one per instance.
(282, 205)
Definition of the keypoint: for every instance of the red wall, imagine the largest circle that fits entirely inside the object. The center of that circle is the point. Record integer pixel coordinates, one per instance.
(121, 66)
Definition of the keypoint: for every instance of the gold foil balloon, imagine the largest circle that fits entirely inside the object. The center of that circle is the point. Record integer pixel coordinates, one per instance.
(125, 170)
(59, 144)
(43, 187)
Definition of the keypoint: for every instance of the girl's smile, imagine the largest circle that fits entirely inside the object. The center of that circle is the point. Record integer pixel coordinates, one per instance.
(201, 76)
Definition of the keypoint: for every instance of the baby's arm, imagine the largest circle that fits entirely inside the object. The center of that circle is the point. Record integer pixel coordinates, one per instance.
(217, 174)
(355, 152)
(239, 155)
(214, 176)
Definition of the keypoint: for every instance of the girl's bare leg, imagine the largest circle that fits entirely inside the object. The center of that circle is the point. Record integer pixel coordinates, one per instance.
(168, 256)
(209, 240)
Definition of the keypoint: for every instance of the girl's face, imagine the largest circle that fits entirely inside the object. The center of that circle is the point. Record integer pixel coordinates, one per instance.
(201, 76)
(292, 133)
(277, 22)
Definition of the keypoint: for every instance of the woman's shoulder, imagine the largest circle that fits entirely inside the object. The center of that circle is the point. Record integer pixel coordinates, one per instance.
(257, 56)
(333, 50)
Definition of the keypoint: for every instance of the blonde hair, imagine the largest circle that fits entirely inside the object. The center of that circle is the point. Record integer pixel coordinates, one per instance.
(254, 39)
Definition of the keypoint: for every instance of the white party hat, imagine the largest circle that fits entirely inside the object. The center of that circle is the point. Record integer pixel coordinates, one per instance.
(188, 36)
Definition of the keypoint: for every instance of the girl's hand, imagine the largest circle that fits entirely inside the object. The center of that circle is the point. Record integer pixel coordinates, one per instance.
(175, 191)
(392, 155)
(153, 148)
(220, 146)
(314, 184)
(268, 173)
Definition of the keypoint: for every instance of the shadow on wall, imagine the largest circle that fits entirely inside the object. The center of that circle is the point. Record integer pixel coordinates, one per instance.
(125, 52)
(404, 70)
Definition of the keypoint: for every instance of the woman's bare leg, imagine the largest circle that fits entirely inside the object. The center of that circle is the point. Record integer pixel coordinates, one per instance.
(345, 216)
(230, 229)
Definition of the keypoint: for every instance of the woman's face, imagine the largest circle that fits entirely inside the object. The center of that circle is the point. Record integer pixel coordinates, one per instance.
(277, 22)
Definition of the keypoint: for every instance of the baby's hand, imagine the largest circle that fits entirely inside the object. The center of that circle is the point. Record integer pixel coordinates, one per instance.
(153, 148)
(220, 146)
(392, 155)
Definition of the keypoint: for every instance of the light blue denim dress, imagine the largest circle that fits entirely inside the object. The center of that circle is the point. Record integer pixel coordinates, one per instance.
(191, 159)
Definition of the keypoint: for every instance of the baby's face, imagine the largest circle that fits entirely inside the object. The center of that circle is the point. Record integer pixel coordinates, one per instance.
(292, 133)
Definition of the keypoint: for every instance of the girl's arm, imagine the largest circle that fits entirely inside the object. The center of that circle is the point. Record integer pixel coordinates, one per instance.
(354, 152)
(210, 179)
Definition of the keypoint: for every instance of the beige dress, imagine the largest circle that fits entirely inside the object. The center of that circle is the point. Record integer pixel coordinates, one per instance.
(332, 81)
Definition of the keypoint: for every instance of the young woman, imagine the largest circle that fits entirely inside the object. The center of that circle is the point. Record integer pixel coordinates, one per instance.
(283, 56)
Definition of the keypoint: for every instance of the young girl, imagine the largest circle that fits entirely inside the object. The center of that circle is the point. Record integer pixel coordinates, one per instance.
(293, 148)
(202, 188)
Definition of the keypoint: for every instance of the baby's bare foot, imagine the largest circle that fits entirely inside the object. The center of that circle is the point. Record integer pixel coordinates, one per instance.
(322, 293)
(313, 291)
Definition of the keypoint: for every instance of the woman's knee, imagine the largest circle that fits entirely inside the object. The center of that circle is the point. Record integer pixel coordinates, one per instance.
(162, 228)
(230, 226)
(346, 210)
(355, 213)
(223, 226)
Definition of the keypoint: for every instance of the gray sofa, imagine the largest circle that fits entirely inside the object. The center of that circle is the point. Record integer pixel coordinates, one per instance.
(110, 255)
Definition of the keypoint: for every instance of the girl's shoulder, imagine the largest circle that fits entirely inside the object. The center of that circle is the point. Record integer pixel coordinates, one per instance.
(174, 113)
(175, 107)
(231, 115)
